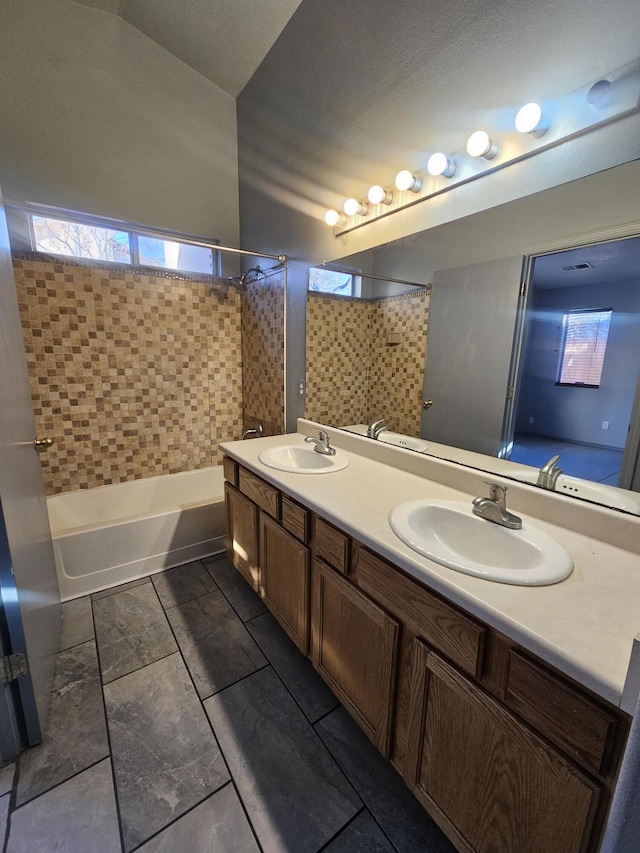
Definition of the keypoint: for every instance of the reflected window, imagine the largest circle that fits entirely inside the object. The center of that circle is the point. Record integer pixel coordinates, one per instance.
(342, 282)
(584, 344)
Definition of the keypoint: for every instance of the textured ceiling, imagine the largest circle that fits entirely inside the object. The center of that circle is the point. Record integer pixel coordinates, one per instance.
(224, 40)
(608, 262)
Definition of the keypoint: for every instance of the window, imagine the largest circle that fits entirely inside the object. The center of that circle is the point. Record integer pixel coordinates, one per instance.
(584, 342)
(97, 240)
(343, 282)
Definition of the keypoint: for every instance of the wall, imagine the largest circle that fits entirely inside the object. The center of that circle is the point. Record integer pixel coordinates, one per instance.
(576, 414)
(263, 320)
(351, 92)
(134, 374)
(96, 117)
(353, 376)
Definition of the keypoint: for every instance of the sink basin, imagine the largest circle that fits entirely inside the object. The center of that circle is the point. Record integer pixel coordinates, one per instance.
(299, 459)
(400, 440)
(579, 488)
(448, 533)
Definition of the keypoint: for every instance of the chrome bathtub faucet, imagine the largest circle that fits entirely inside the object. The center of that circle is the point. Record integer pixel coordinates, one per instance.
(494, 507)
(321, 443)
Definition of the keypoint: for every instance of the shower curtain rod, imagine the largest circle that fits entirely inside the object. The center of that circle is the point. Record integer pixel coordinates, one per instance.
(58, 213)
(328, 266)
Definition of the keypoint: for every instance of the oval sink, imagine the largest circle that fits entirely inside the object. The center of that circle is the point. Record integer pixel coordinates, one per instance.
(450, 534)
(579, 488)
(302, 460)
(400, 440)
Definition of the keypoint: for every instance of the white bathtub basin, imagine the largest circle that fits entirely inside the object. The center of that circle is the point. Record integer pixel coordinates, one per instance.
(450, 534)
(297, 459)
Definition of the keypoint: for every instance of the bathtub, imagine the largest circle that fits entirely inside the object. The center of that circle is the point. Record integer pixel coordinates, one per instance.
(112, 534)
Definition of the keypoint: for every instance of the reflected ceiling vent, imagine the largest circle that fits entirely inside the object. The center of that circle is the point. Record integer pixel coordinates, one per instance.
(585, 265)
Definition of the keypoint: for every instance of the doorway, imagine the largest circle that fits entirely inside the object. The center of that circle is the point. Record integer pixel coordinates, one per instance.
(580, 359)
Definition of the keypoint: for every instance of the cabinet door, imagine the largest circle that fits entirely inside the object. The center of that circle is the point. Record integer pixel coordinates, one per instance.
(480, 771)
(242, 534)
(285, 570)
(355, 646)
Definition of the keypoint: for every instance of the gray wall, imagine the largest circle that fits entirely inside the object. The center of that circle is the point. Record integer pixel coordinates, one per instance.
(576, 414)
(96, 117)
(351, 92)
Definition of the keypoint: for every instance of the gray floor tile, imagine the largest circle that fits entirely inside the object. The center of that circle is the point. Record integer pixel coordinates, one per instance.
(76, 735)
(297, 672)
(183, 583)
(363, 835)
(242, 598)
(104, 593)
(77, 622)
(216, 645)
(6, 778)
(219, 825)
(296, 796)
(394, 807)
(78, 816)
(4, 812)
(165, 757)
(131, 630)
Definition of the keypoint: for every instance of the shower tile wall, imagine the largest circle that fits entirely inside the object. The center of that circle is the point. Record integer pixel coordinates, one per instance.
(263, 353)
(133, 374)
(353, 374)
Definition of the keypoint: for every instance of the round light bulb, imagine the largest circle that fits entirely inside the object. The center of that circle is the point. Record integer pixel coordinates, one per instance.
(439, 164)
(406, 181)
(529, 120)
(352, 207)
(479, 144)
(378, 195)
(332, 217)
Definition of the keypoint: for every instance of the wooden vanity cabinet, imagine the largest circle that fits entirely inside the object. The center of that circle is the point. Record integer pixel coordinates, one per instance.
(355, 649)
(242, 534)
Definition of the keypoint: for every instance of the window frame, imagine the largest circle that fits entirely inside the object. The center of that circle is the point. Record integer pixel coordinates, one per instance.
(356, 281)
(563, 342)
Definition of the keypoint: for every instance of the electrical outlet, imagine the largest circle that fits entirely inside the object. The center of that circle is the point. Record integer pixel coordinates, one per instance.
(531, 420)
(301, 388)
(605, 424)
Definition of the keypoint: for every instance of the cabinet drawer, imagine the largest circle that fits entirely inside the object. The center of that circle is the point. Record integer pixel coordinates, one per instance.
(443, 626)
(574, 722)
(230, 469)
(295, 519)
(332, 545)
(261, 493)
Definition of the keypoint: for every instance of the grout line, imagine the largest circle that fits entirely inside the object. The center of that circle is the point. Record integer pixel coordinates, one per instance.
(137, 669)
(324, 716)
(342, 829)
(75, 645)
(57, 784)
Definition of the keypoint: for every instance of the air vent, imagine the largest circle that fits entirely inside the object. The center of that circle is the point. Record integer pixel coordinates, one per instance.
(585, 265)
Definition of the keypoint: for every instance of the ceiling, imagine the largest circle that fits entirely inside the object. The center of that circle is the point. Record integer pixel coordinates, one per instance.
(224, 40)
(617, 261)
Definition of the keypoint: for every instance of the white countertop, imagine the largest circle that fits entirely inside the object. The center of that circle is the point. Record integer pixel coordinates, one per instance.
(585, 625)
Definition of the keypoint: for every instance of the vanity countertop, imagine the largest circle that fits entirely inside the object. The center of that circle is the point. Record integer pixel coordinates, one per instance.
(585, 626)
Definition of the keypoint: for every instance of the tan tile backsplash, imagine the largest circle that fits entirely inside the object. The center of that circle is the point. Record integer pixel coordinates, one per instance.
(263, 353)
(133, 374)
(365, 359)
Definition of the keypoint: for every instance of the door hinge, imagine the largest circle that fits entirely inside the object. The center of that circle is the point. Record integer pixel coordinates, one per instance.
(12, 667)
(510, 391)
(523, 287)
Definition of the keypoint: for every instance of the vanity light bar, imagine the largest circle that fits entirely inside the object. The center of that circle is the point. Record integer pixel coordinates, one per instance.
(598, 103)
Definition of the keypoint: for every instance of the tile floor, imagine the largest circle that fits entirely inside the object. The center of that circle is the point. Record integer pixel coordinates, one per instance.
(183, 720)
(599, 464)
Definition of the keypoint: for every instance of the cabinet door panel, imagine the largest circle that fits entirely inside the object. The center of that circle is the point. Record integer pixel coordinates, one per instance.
(355, 646)
(504, 789)
(242, 534)
(284, 564)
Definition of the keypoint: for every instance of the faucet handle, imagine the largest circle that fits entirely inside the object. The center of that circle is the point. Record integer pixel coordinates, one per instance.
(497, 492)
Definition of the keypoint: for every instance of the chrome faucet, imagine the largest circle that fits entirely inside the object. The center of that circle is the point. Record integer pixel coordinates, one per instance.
(549, 473)
(494, 507)
(257, 431)
(321, 443)
(375, 428)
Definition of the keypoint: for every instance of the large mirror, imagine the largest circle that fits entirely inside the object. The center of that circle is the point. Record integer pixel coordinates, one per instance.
(523, 345)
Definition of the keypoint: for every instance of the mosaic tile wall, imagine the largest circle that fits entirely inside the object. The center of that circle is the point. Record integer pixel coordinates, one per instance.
(263, 354)
(353, 375)
(134, 374)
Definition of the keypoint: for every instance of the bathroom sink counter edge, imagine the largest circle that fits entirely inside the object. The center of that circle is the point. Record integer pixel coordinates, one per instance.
(585, 626)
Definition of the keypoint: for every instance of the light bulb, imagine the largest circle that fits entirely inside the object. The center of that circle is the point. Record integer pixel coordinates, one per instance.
(479, 144)
(439, 164)
(332, 217)
(352, 207)
(378, 195)
(530, 120)
(406, 181)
